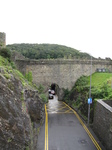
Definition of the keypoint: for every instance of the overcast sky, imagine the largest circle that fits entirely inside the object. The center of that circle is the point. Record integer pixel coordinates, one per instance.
(85, 25)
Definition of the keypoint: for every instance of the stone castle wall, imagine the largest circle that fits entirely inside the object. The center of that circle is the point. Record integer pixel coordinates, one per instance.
(2, 39)
(64, 73)
(103, 123)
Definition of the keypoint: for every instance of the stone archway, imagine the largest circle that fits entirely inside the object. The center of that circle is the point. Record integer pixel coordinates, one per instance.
(58, 90)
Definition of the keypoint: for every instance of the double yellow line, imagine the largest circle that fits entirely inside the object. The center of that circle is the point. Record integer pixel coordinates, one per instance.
(46, 129)
(86, 129)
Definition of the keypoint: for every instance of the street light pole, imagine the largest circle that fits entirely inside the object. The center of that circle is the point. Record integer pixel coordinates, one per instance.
(89, 93)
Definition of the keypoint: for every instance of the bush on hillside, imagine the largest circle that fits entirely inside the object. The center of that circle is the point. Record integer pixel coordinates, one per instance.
(6, 53)
(41, 89)
(78, 96)
(13, 65)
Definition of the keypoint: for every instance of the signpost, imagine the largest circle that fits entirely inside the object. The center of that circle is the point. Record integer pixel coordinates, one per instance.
(89, 99)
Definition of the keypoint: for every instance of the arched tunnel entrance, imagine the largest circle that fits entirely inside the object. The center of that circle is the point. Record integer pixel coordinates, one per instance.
(55, 87)
(58, 91)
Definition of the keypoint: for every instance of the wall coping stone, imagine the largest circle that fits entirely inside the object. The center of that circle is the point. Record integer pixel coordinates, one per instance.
(105, 105)
(63, 61)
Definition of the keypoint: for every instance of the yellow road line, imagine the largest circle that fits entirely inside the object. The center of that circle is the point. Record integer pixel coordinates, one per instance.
(62, 108)
(56, 112)
(46, 129)
(67, 111)
(57, 108)
(86, 129)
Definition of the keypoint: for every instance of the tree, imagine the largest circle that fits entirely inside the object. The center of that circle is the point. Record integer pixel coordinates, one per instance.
(46, 51)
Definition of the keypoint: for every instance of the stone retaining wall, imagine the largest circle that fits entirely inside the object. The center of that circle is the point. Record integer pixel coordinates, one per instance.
(102, 124)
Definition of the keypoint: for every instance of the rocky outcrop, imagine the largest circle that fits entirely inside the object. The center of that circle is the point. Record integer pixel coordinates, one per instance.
(34, 106)
(20, 113)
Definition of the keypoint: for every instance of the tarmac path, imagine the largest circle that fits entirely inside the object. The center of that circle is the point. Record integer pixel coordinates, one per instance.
(64, 130)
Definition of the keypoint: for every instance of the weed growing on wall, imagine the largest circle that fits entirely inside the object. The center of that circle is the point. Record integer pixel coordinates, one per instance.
(44, 98)
(41, 89)
(28, 76)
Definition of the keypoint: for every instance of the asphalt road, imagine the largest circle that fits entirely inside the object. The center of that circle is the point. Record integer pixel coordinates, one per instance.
(64, 130)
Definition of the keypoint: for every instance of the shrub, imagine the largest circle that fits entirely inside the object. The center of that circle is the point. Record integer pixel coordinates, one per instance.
(66, 94)
(82, 81)
(5, 52)
(13, 65)
(28, 76)
(7, 76)
(40, 89)
(44, 98)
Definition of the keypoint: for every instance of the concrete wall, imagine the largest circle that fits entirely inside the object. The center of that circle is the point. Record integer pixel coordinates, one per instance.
(2, 39)
(103, 123)
(64, 73)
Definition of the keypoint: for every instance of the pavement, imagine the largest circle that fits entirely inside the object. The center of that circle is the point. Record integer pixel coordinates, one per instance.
(64, 130)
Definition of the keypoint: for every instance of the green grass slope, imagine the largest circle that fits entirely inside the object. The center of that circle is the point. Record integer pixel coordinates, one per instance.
(99, 79)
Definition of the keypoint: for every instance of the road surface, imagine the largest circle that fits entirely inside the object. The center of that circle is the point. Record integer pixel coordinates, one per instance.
(64, 130)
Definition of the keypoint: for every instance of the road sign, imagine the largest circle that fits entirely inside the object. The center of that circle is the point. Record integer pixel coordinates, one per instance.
(89, 100)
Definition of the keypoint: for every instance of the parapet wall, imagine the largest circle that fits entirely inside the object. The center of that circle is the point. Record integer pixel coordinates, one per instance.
(103, 123)
(2, 39)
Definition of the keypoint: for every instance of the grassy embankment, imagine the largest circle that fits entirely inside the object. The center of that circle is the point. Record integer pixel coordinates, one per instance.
(98, 79)
(100, 89)
(102, 84)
